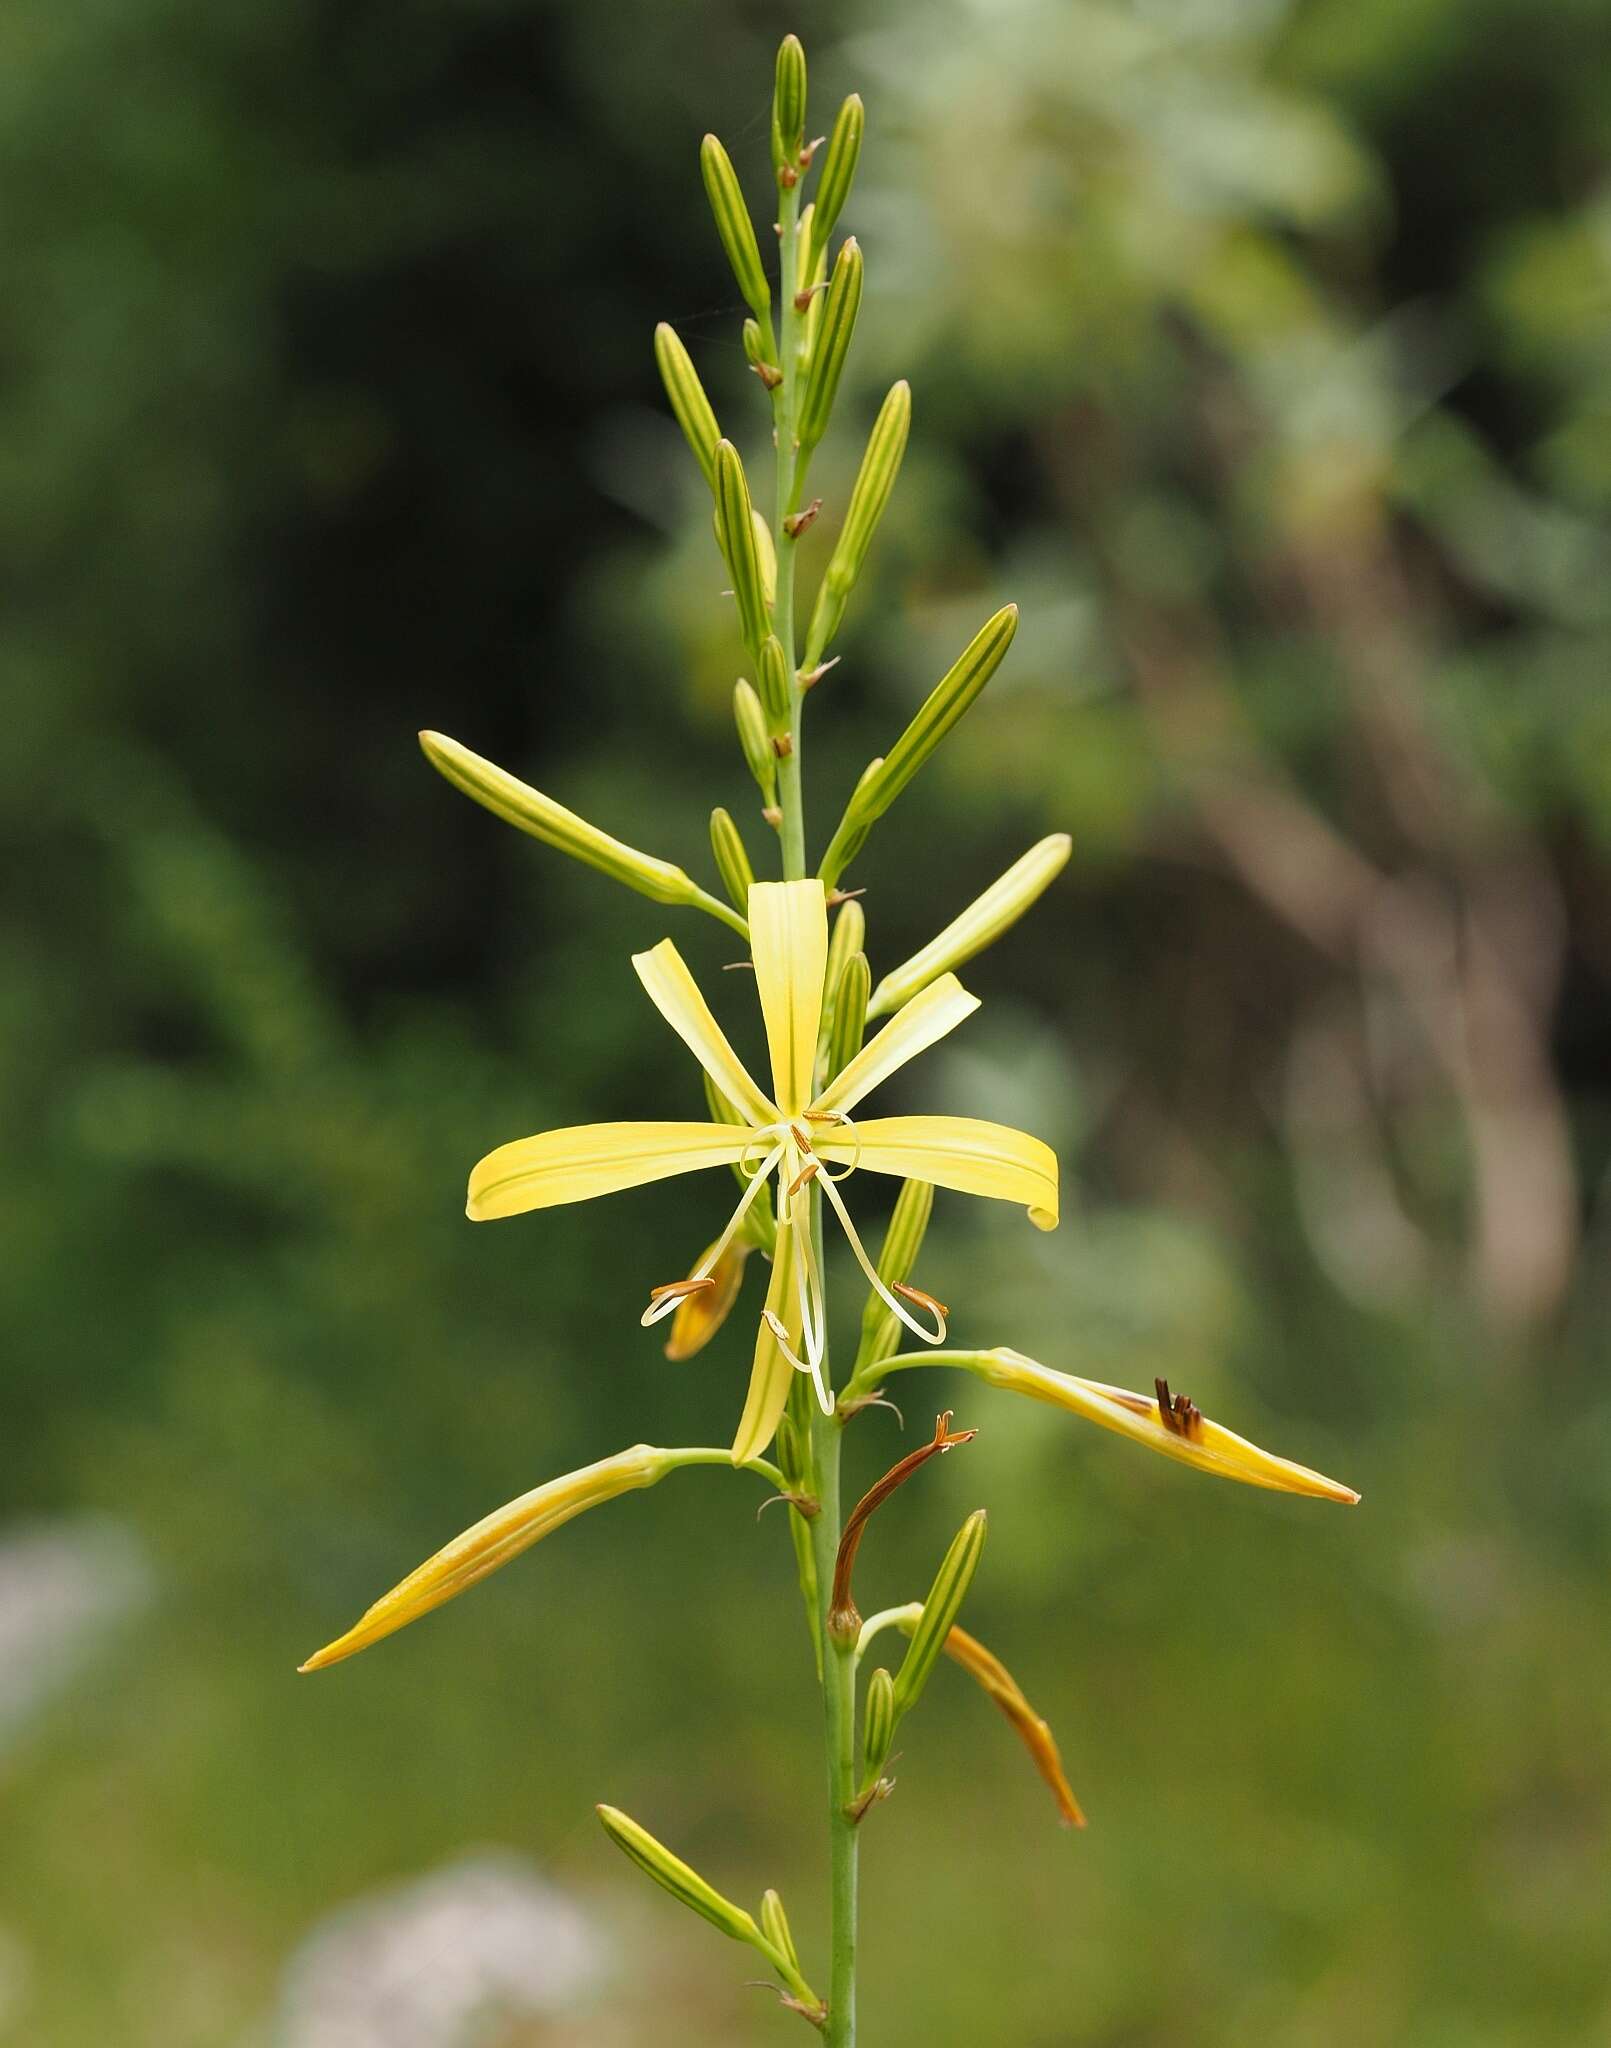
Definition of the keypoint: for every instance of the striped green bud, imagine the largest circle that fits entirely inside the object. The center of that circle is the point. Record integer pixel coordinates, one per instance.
(773, 674)
(838, 169)
(774, 1921)
(849, 1014)
(755, 353)
(878, 1724)
(687, 395)
(903, 1240)
(752, 737)
(735, 532)
(849, 936)
(940, 710)
(832, 345)
(737, 232)
(655, 1860)
(732, 862)
(875, 480)
(940, 1609)
(766, 555)
(788, 104)
(980, 925)
(518, 804)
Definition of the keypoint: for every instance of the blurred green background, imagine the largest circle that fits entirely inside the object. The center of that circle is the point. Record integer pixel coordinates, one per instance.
(1262, 352)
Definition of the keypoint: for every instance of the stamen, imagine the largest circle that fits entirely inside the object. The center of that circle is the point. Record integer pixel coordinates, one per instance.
(935, 1336)
(663, 1300)
(1178, 1415)
(677, 1290)
(937, 1309)
(804, 1177)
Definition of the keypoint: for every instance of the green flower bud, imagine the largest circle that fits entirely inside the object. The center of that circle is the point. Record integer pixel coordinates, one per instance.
(655, 1860)
(735, 530)
(688, 401)
(833, 345)
(788, 103)
(774, 1921)
(940, 1609)
(732, 862)
(849, 1014)
(838, 169)
(755, 352)
(880, 466)
(518, 804)
(940, 710)
(909, 1220)
(752, 737)
(773, 673)
(737, 232)
(849, 936)
(878, 1723)
(983, 922)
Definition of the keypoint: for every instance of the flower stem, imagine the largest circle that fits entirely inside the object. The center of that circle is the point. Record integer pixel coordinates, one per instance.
(838, 1659)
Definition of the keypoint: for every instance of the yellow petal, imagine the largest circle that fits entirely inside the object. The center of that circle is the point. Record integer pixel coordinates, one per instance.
(676, 995)
(960, 1152)
(584, 1160)
(492, 1542)
(789, 944)
(771, 1375)
(940, 1008)
(1191, 1439)
(699, 1316)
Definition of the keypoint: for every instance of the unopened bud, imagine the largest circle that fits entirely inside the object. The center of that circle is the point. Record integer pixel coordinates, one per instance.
(849, 1014)
(772, 672)
(788, 103)
(755, 350)
(983, 922)
(832, 345)
(945, 1597)
(774, 1921)
(838, 168)
(940, 710)
(736, 534)
(750, 720)
(689, 404)
(732, 861)
(875, 480)
(737, 232)
(655, 1860)
(878, 1723)
(849, 936)
(518, 804)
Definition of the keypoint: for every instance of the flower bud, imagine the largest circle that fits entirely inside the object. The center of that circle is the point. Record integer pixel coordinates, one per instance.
(838, 169)
(980, 925)
(849, 1014)
(655, 1860)
(774, 1921)
(493, 1542)
(945, 1597)
(735, 531)
(773, 674)
(788, 104)
(699, 1316)
(752, 737)
(732, 861)
(878, 1723)
(755, 354)
(737, 232)
(849, 936)
(833, 345)
(908, 1223)
(517, 803)
(687, 395)
(875, 480)
(944, 705)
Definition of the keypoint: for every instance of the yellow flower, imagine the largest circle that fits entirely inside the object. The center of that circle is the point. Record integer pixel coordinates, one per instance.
(797, 1133)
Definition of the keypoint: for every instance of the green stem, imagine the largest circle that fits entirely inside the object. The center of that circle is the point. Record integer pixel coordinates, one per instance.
(838, 1660)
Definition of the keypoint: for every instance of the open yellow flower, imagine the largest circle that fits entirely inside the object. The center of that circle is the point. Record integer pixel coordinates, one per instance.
(796, 1133)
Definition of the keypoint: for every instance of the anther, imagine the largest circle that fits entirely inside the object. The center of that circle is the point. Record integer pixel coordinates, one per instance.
(676, 1290)
(1180, 1416)
(804, 1177)
(915, 1294)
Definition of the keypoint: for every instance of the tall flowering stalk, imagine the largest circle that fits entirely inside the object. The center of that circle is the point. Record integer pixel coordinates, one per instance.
(793, 1137)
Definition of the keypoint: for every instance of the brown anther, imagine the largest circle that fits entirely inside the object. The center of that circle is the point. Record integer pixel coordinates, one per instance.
(916, 1294)
(800, 1137)
(838, 896)
(810, 151)
(808, 678)
(773, 816)
(844, 1622)
(802, 300)
(1178, 1415)
(770, 375)
(678, 1290)
(797, 522)
(782, 745)
(804, 1177)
